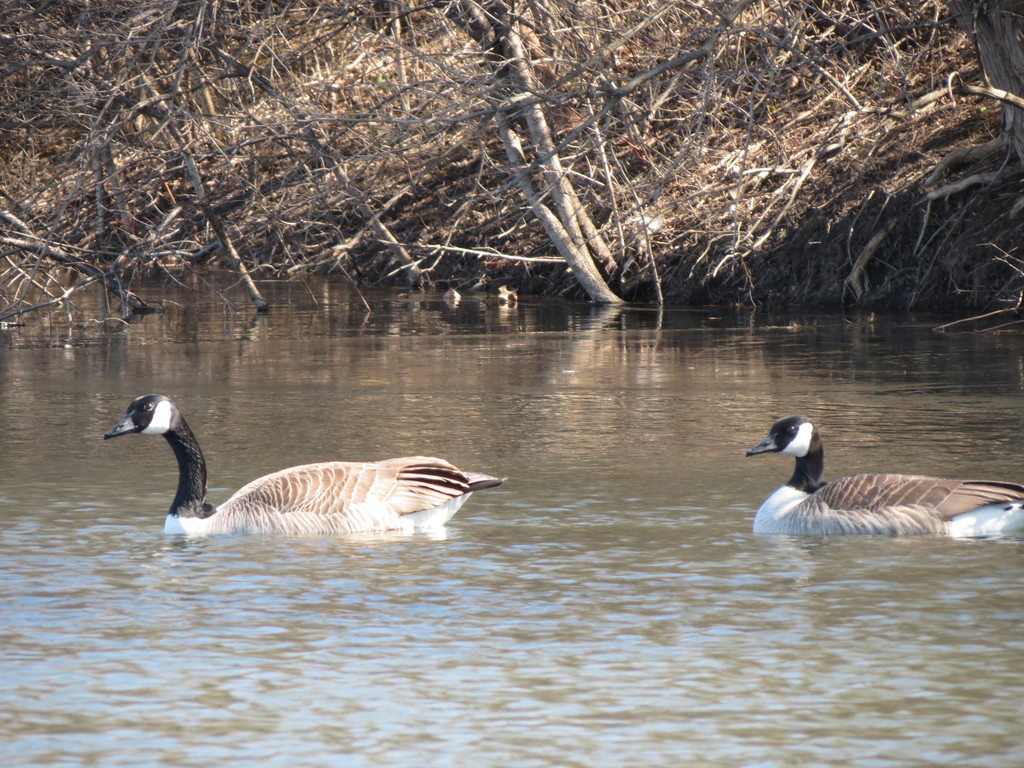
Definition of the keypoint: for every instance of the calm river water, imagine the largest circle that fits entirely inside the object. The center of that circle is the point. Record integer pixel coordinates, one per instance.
(607, 606)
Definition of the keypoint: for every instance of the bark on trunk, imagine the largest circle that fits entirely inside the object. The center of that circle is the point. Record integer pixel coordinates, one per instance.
(544, 181)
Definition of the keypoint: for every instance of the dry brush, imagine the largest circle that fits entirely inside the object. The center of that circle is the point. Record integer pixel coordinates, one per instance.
(680, 151)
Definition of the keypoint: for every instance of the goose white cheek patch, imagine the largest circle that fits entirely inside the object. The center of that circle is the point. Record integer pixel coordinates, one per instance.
(161, 421)
(801, 442)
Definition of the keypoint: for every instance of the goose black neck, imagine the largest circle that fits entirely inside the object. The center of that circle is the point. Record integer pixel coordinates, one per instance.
(809, 473)
(190, 500)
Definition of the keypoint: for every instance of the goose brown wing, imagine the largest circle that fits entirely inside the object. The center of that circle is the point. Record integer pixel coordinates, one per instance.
(423, 482)
(972, 494)
(942, 497)
(402, 486)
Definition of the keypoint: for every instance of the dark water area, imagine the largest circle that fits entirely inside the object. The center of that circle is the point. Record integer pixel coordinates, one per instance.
(607, 606)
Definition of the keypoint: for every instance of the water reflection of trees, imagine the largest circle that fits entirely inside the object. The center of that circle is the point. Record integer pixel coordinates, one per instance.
(566, 385)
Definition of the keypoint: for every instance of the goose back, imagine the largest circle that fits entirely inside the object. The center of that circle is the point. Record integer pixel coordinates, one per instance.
(345, 497)
(888, 504)
(944, 497)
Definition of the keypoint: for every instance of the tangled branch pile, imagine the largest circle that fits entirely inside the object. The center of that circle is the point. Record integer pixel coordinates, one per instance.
(680, 151)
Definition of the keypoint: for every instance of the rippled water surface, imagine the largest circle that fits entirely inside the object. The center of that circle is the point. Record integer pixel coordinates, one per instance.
(607, 606)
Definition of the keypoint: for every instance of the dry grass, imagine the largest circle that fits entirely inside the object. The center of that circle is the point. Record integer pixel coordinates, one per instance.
(744, 151)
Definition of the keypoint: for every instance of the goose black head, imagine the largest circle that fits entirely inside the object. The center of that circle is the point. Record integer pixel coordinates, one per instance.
(793, 435)
(149, 414)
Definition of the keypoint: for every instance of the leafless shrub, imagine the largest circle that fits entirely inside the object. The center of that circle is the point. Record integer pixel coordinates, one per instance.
(675, 145)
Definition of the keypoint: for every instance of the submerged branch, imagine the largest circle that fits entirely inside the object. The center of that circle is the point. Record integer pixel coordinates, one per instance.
(71, 257)
(63, 298)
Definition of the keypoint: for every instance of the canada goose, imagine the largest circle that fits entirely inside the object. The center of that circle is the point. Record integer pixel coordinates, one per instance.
(885, 504)
(411, 493)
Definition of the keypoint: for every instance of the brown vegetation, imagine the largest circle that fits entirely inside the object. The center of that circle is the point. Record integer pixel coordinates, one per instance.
(744, 151)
